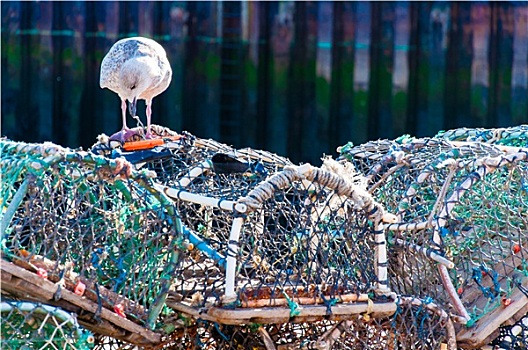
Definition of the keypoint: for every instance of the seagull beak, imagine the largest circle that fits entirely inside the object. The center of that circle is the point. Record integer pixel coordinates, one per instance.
(132, 107)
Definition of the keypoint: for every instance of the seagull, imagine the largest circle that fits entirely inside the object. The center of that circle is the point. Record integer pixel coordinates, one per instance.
(136, 69)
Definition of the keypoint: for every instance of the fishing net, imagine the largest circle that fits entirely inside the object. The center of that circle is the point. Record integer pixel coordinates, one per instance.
(513, 336)
(27, 325)
(408, 328)
(186, 243)
(87, 226)
(460, 196)
(299, 235)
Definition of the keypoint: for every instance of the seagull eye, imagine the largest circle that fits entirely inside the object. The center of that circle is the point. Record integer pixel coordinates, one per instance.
(133, 87)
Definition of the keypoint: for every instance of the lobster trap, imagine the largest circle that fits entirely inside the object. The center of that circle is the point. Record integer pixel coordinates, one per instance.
(180, 242)
(26, 323)
(460, 199)
(86, 233)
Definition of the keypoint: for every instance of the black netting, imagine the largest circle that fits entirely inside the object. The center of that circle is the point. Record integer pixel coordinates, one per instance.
(461, 195)
(28, 325)
(185, 243)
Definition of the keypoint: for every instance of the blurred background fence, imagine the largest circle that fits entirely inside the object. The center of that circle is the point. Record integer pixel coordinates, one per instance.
(295, 78)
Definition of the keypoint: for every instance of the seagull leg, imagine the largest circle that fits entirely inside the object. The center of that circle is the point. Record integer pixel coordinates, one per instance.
(125, 133)
(148, 102)
(123, 112)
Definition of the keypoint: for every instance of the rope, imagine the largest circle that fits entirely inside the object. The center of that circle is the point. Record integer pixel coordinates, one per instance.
(360, 198)
(295, 310)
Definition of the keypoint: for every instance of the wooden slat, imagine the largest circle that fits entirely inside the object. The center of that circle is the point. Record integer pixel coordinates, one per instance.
(487, 328)
(29, 284)
(282, 314)
(300, 300)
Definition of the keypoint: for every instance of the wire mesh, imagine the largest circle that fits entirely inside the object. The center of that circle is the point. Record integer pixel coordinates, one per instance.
(413, 326)
(286, 242)
(514, 337)
(303, 241)
(92, 225)
(28, 325)
(217, 248)
(461, 195)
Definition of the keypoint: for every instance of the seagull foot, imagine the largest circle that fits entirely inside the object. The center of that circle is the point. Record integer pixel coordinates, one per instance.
(123, 135)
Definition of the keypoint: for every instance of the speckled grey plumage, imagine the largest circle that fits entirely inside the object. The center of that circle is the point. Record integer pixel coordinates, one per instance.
(136, 68)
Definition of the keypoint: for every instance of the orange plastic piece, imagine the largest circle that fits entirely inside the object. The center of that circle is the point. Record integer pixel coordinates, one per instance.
(42, 273)
(147, 144)
(119, 310)
(23, 253)
(80, 288)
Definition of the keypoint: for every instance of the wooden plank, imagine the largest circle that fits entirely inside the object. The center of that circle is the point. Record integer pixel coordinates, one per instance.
(487, 328)
(46, 289)
(283, 314)
(5, 276)
(100, 326)
(517, 316)
(300, 300)
(108, 298)
(86, 320)
(23, 289)
(43, 289)
(19, 288)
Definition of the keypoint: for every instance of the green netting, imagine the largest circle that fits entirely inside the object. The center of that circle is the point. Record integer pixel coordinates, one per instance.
(199, 245)
(89, 220)
(415, 325)
(27, 325)
(462, 195)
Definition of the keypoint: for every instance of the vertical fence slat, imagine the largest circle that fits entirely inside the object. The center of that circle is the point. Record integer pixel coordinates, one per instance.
(303, 127)
(202, 71)
(59, 119)
(250, 47)
(266, 14)
(380, 123)
(480, 19)
(231, 70)
(458, 73)
(500, 64)
(11, 66)
(108, 108)
(281, 16)
(400, 69)
(90, 118)
(171, 31)
(341, 124)
(44, 74)
(419, 69)
(519, 102)
(325, 19)
(296, 78)
(362, 68)
(439, 24)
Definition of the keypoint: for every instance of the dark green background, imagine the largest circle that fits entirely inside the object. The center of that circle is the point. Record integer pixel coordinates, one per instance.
(296, 78)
